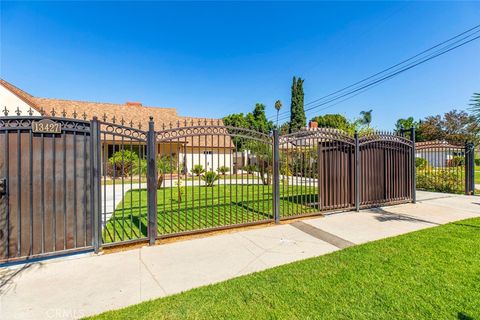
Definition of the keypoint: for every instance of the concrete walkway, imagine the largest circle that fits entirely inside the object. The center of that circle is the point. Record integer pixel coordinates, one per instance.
(85, 285)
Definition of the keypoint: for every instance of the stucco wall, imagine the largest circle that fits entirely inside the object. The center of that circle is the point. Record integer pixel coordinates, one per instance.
(11, 102)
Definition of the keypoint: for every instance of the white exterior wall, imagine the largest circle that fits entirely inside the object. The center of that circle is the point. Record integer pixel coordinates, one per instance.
(11, 102)
(213, 161)
(436, 158)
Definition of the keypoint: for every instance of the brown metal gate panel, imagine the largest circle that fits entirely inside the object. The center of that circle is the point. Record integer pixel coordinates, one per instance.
(46, 208)
(336, 182)
(385, 171)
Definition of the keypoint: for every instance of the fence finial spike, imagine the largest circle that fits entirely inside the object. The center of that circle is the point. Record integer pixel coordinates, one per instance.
(151, 118)
(122, 122)
(64, 113)
(5, 111)
(84, 115)
(104, 117)
(131, 123)
(30, 111)
(53, 112)
(18, 112)
(42, 111)
(75, 114)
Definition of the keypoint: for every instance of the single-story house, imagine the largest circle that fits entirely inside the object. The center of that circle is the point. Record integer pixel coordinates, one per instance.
(438, 153)
(211, 150)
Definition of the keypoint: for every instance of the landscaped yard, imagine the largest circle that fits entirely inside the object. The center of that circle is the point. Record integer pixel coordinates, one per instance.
(428, 274)
(204, 207)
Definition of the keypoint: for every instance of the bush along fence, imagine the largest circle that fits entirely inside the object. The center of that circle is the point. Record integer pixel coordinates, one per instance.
(445, 167)
(72, 184)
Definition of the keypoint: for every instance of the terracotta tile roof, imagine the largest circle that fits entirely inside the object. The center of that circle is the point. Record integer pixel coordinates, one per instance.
(27, 98)
(133, 112)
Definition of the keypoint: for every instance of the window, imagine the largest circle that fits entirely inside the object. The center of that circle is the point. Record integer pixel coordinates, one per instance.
(208, 152)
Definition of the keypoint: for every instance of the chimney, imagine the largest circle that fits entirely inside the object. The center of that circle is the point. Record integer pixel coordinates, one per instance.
(313, 125)
(133, 104)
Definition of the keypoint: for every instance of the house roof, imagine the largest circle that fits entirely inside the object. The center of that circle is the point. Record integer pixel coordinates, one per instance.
(130, 112)
(434, 144)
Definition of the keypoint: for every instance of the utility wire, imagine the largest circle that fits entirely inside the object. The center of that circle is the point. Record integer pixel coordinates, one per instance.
(420, 61)
(435, 54)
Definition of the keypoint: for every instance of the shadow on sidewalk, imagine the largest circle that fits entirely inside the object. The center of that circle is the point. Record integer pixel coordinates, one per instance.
(391, 216)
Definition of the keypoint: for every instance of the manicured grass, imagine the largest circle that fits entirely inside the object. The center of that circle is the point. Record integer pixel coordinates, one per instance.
(428, 274)
(204, 207)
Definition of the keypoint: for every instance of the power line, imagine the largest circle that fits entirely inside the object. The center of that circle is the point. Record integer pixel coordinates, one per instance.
(437, 53)
(392, 75)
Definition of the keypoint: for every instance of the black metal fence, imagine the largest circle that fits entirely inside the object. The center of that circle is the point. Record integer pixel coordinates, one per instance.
(442, 166)
(92, 184)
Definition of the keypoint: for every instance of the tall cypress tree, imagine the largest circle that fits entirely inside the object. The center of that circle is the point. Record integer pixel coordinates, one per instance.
(298, 120)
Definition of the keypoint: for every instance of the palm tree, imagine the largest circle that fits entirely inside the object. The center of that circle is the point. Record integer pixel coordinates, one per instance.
(475, 106)
(278, 106)
(366, 117)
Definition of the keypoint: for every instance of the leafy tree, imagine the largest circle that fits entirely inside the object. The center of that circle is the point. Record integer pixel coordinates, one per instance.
(258, 119)
(410, 123)
(121, 163)
(235, 120)
(336, 121)
(475, 106)
(255, 120)
(454, 126)
(278, 106)
(285, 128)
(165, 164)
(298, 119)
(366, 118)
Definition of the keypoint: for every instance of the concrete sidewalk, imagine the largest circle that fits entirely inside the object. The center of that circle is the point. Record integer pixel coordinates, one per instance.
(89, 284)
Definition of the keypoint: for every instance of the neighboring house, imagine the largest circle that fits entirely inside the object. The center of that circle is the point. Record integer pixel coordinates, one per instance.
(209, 150)
(437, 153)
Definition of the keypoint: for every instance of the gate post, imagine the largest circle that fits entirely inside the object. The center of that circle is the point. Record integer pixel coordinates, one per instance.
(357, 173)
(152, 182)
(413, 165)
(276, 177)
(469, 168)
(96, 185)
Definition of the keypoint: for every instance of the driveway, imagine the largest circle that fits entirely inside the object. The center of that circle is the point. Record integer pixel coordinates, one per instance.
(88, 284)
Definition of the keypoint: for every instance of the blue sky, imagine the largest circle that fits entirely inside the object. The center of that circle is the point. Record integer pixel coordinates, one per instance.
(212, 59)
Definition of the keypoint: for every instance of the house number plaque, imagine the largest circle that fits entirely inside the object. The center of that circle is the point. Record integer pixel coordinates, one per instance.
(46, 126)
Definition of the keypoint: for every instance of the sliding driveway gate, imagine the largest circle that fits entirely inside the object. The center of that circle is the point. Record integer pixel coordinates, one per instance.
(69, 184)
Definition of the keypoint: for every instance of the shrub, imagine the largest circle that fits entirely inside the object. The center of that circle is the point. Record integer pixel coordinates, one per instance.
(120, 164)
(421, 163)
(180, 190)
(250, 168)
(477, 162)
(441, 180)
(140, 167)
(165, 164)
(223, 170)
(197, 170)
(210, 177)
(456, 161)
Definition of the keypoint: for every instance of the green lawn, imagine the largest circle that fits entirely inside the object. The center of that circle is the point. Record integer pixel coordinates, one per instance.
(205, 207)
(428, 274)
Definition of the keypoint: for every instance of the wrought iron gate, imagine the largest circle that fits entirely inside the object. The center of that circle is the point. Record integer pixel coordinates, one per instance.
(68, 184)
(46, 187)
